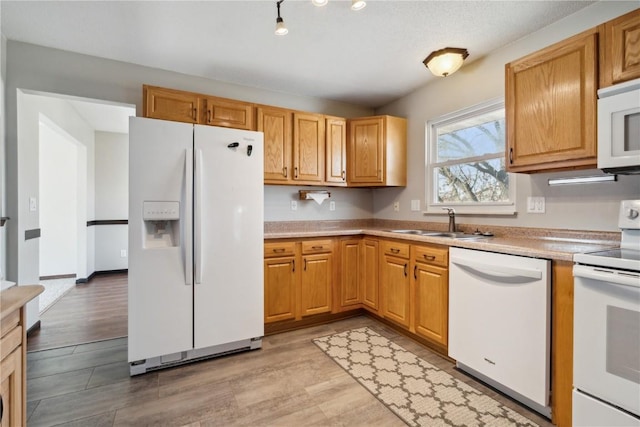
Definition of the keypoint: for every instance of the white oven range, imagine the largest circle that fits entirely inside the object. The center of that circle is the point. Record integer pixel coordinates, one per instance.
(606, 342)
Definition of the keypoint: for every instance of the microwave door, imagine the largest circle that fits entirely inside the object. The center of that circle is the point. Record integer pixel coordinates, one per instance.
(619, 132)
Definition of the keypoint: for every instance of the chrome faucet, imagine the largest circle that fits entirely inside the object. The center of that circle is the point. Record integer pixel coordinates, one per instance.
(452, 219)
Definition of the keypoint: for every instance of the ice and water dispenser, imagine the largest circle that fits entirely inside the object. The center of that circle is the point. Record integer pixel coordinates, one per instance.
(161, 224)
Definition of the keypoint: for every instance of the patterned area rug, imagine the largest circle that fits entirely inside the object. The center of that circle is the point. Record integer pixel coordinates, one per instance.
(416, 391)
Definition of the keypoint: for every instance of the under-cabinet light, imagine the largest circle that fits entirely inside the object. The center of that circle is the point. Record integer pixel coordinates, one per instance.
(583, 179)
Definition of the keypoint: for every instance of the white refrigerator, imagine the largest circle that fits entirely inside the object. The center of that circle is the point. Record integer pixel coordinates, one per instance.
(195, 242)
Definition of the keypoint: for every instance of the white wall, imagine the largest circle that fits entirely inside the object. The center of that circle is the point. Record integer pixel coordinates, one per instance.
(3, 202)
(112, 201)
(23, 182)
(58, 177)
(587, 207)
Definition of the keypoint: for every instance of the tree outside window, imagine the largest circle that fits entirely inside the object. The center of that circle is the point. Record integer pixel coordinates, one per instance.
(466, 161)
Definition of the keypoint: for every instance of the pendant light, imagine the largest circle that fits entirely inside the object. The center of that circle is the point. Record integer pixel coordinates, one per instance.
(281, 30)
(445, 62)
(319, 3)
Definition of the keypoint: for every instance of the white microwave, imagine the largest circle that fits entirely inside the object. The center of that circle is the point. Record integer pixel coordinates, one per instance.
(619, 128)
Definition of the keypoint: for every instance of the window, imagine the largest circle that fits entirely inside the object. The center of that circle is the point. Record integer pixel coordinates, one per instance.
(466, 162)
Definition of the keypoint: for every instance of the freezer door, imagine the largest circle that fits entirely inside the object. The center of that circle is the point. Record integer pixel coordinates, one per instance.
(160, 252)
(228, 237)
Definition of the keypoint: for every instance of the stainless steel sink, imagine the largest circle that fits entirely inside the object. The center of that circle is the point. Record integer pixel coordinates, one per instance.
(451, 235)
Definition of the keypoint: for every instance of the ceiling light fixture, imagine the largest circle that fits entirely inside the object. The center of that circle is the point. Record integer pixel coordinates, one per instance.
(319, 3)
(281, 30)
(358, 4)
(445, 62)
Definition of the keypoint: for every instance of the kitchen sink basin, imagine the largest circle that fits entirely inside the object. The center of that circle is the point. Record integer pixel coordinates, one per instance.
(451, 235)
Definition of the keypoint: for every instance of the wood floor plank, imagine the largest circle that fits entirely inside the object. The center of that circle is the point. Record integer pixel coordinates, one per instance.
(89, 312)
(54, 385)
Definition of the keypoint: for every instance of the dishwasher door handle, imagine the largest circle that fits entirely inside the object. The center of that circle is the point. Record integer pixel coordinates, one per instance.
(498, 271)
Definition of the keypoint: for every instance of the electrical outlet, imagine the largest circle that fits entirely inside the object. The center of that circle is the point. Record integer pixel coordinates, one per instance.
(123, 253)
(396, 206)
(535, 204)
(294, 205)
(332, 206)
(415, 205)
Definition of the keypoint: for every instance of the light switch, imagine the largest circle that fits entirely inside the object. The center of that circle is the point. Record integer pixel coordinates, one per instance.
(415, 205)
(294, 205)
(332, 206)
(33, 204)
(535, 204)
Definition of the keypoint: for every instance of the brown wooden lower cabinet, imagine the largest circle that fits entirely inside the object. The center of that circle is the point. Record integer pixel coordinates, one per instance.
(350, 273)
(298, 279)
(370, 273)
(13, 353)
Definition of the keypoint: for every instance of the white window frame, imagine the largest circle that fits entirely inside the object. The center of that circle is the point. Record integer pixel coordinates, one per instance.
(485, 208)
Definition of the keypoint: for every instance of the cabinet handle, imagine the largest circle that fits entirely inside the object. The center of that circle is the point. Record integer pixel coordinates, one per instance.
(395, 250)
(208, 116)
(317, 248)
(278, 250)
(429, 257)
(295, 172)
(511, 155)
(285, 172)
(305, 264)
(293, 263)
(405, 270)
(1, 407)
(343, 175)
(415, 272)
(195, 113)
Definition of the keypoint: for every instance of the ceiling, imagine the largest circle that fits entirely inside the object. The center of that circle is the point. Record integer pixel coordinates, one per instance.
(368, 57)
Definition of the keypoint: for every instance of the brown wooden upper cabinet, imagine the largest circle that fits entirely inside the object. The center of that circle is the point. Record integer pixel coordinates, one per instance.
(181, 106)
(308, 148)
(227, 113)
(620, 49)
(551, 107)
(169, 104)
(336, 150)
(377, 151)
(276, 124)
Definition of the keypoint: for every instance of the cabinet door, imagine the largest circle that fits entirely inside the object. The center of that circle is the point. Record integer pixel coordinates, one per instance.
(228, 113)
(551, 107)
(279, 289)
(431, 301)
(308, 147)
(11, 391)
(168, 104)
(370, 268)
(366, 151)
(395, 290)
(276, 125)
(336, 150)
(315, 286)
(350, 273)
(620, 49)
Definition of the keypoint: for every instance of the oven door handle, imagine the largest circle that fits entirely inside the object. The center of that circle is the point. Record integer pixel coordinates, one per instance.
(619, 277)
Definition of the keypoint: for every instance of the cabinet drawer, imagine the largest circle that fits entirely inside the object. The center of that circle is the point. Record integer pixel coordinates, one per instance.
(396, 249)
(9, 322)
(317, 246)
(10, 342)
(431, 255)
(279, 249)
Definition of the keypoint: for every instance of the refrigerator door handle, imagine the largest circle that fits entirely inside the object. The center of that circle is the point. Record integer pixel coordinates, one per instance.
(188, 220)
(197, 217)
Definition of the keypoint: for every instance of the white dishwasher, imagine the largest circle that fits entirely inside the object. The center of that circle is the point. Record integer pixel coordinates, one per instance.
(499, 322)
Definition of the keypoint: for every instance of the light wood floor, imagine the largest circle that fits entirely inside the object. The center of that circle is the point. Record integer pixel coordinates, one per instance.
(89, 312)
(289, 382)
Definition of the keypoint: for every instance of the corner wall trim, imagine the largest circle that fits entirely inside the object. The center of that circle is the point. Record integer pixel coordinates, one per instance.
(31, 234)
(33, 328)
(107, 222)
